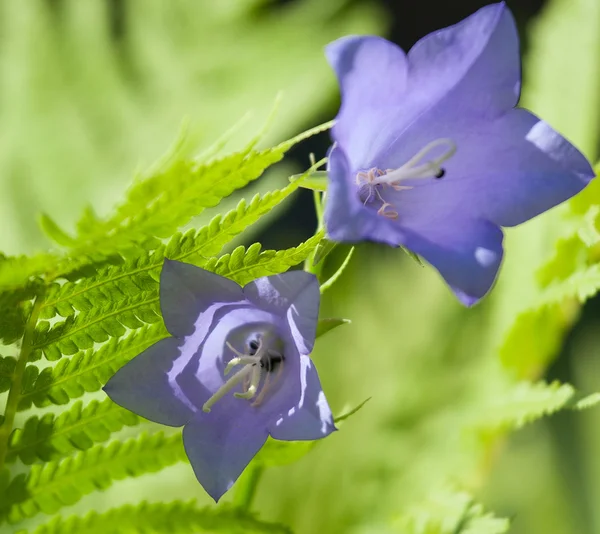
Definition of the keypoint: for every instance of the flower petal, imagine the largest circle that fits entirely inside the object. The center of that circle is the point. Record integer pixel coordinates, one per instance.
(521, 170)
(466, 252)
(311, 417)
(474, 64)
(142, 385)
(472, 68)
(372, 74)
(219, 448)
(294, 294)
(186, 291)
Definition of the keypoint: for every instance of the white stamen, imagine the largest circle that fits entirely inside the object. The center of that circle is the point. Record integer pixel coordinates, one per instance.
(250, 375)
(413, 168)
(241, 360)
(254, 382)
(227, 387)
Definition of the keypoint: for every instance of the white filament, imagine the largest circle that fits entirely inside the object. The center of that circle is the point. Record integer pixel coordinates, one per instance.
(413, 168)
(252, 367)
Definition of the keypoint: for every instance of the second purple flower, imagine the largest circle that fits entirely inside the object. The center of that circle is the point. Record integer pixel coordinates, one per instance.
(430, 152)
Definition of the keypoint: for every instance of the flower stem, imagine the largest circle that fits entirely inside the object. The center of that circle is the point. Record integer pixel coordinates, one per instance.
(247, 485)
(14, 393)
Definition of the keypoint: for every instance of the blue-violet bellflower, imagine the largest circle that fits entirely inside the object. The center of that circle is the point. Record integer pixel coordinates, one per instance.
(431, 153)
(235, 370)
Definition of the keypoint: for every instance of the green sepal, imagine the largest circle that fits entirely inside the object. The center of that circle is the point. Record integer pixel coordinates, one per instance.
(325, 325)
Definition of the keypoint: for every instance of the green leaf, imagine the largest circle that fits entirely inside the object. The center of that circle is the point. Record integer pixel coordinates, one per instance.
(86, 371)
(325, 325)
(50, 486)
(159, 204)
(524, 403)
(589, 401)
(7, 368)
(50, 437)
(451, 512)
(173, 518)
(55, 232)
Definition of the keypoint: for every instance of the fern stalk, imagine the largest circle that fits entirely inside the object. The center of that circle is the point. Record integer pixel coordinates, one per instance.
(13, 395)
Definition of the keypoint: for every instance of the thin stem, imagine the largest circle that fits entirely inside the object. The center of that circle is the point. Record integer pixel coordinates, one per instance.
(14, 393)
(247, 485)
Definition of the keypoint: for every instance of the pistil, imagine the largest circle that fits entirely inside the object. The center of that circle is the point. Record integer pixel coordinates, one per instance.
(261, 359)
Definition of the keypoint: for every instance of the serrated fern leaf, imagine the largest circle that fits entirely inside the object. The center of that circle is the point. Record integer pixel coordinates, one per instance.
(525, 403)
(55, 484)
(244, 265)
(86, 371)
(537, 332)
(15, 307)
(121, 304)
(79, 428)
(7, 368)
(156, 206)
(16, 272)
(175, 517)
(451, 512)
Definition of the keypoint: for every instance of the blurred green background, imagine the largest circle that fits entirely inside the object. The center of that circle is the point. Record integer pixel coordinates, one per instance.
(91, 90)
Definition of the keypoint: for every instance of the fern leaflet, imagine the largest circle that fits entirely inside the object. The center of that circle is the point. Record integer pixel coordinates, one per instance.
(114, 315)
(50, 438)
(55, 484)
(86, 371)
(173, 518)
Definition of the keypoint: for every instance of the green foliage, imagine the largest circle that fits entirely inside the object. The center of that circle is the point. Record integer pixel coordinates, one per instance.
(106, 314)
(50, 486)
(175, 517)
(79, 428)
(452, 512)
(157, 205)
(325, 325)
(524, 403)
(86, 371)
(7, 369)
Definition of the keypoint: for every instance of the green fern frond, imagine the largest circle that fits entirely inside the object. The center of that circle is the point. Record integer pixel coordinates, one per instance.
(15, 306)
(222, 229)
(55, 484)
(50, 438)
(244, 265)
(156, 206)
(537, 332)
(86, 371)
(525, 403)
(450, 512)
(108, 320)
(7, 368)
(16, 272)
(173, 518)
(97, 324)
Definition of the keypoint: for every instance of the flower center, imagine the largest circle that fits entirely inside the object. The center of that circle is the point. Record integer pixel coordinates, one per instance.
(371, 183)
(262, 363)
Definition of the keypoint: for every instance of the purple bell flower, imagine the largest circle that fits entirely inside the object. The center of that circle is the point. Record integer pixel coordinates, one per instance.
(430, 152)
(235, 371)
